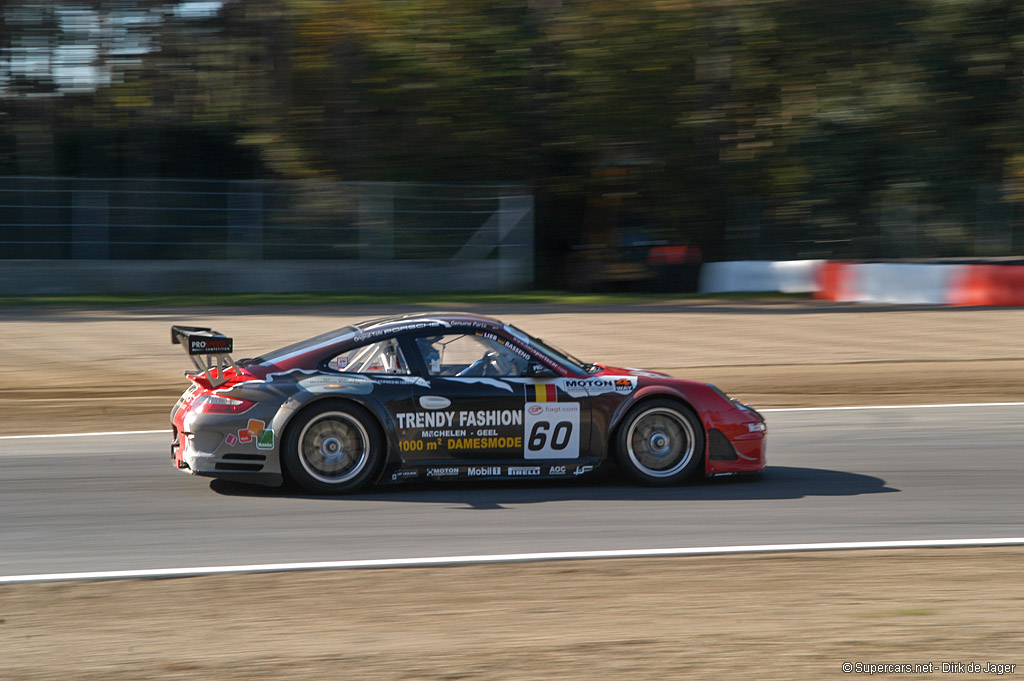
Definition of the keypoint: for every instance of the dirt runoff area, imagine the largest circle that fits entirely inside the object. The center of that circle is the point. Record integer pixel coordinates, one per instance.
(787, 616)
(70, 370)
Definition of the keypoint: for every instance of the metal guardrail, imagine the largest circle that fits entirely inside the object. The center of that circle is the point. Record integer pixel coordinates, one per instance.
(157, 219)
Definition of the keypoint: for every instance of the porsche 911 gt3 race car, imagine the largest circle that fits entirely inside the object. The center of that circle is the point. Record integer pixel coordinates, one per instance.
(446, 396)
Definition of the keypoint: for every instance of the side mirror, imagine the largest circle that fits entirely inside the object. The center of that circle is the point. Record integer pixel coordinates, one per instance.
(538, 370)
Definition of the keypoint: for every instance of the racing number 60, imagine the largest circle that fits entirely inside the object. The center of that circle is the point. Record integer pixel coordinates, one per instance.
(552, 430)
(560, 436)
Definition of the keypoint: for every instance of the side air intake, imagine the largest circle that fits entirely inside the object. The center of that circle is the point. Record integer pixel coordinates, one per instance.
(720, 449)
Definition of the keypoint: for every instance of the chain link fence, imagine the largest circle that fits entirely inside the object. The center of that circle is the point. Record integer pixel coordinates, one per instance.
(82, 235)
(145, 219)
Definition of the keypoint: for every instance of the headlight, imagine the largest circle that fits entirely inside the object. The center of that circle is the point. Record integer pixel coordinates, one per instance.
(721, 393)
(718, 391)
(754, 428)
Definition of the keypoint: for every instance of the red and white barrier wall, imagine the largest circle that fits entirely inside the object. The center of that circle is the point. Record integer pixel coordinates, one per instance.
(991, 285)
(787, 276)
(887, 282)
(920, 284)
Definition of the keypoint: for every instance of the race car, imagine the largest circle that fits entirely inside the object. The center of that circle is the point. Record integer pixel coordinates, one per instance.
(445, 396)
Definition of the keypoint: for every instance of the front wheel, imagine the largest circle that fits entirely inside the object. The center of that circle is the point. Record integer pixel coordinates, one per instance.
(660, 443)
(333, 448)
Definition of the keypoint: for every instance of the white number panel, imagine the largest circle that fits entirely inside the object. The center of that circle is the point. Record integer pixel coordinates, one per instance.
(551, 430)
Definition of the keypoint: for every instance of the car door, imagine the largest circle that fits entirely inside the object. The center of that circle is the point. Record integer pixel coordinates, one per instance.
(480, 412)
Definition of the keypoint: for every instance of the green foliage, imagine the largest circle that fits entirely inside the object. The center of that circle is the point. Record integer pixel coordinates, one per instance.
(425, 300)
(826, 128)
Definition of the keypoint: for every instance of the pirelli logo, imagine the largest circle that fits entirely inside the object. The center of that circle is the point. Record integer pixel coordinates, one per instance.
(545, 393)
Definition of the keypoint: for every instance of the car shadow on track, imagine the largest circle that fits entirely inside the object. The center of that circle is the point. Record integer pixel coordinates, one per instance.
(776, 482)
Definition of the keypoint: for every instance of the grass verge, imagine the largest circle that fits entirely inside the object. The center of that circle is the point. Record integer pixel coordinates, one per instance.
(424, 299)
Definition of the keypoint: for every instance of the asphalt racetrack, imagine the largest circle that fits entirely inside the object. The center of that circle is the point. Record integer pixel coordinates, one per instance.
(100, 503)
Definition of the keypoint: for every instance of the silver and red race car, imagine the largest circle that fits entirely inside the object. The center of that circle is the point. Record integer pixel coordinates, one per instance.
(446, 396)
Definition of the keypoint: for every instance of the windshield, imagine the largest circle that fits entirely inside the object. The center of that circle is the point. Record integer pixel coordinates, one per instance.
(564, 358)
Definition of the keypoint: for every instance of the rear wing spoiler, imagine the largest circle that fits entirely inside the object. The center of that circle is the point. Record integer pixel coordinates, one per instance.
(209, 350)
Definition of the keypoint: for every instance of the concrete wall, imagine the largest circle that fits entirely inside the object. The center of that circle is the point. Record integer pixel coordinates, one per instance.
(787, 276)
(49, 277)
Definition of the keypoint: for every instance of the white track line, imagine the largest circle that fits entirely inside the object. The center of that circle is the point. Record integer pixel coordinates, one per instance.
(107, 434)
(505, 558)
(897, 406)
(779, 410)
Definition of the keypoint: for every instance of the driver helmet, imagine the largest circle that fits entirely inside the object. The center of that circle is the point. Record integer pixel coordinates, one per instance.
(431, 356)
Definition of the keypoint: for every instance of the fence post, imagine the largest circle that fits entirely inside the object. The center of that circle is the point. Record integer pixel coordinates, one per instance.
(90, 224)
(515, 237)
(993, 231)
(898, 229)
(376, 221)
(743, 230)
(245, 221)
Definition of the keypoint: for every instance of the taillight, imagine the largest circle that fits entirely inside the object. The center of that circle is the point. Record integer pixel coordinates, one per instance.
(218, 404)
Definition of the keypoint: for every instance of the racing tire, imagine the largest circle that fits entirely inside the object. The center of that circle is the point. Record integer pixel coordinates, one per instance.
(660, 443)
(333, 448)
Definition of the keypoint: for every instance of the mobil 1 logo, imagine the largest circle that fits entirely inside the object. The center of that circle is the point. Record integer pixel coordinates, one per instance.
(552, 430)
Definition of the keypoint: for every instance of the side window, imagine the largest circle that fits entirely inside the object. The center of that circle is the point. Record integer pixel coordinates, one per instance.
(468, 355)
(384, 357)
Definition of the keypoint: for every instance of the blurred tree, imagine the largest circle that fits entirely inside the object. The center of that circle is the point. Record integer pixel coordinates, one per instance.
(972, 132)
(760, 128)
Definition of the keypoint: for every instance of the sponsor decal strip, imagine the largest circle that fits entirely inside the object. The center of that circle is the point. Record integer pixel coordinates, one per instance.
(492, 470)
(508, 558)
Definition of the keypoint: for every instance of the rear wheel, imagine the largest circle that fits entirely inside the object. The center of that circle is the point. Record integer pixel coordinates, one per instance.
(333, 447)
(660, 442)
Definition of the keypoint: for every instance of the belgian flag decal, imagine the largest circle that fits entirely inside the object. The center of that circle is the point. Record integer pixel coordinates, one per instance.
(546, 393)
